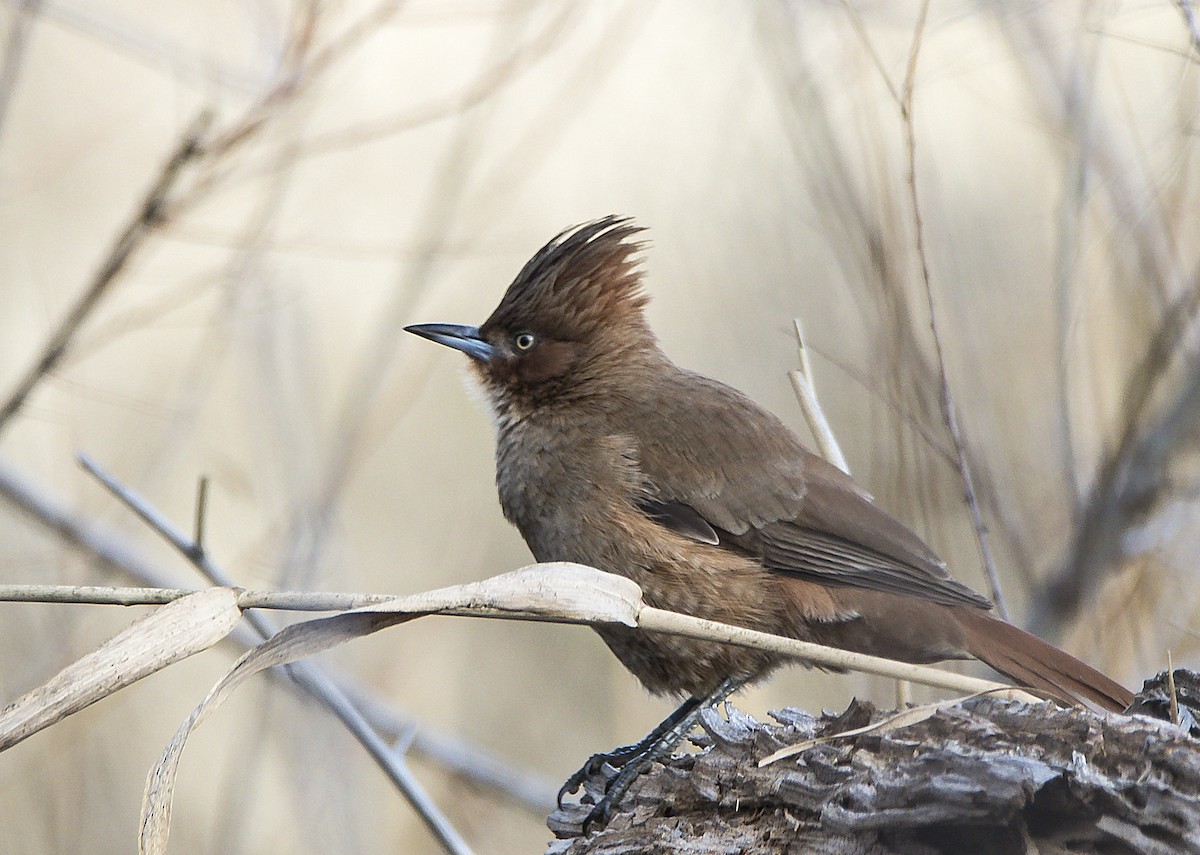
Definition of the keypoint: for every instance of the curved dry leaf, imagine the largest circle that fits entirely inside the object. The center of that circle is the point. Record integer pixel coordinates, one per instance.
(155, 640)
(553, 591)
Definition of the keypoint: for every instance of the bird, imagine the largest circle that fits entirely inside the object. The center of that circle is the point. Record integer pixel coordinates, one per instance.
(609, 454)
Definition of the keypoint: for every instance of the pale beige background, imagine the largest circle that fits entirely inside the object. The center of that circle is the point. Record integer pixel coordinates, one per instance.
(405, 176)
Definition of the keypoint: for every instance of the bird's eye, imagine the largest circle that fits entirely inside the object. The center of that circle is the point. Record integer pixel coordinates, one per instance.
(524, 341)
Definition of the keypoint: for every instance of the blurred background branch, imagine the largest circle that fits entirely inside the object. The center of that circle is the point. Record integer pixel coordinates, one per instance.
(151, 214)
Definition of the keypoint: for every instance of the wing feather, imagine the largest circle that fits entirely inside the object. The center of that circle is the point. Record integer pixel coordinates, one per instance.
(748, 480)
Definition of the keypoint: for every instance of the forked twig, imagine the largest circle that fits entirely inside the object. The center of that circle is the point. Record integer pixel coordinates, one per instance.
(467, 761)
(316, 682)
(805, 388)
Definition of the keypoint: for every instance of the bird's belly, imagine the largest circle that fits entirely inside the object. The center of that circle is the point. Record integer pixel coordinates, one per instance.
(677, 666)
(693, 579)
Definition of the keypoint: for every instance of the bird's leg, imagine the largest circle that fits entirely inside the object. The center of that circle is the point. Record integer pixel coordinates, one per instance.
(632, 760)
(621, 755)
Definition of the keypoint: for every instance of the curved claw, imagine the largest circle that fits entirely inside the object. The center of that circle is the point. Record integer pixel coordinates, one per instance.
(566, 789)
(629, 761)
(572, 785)
(620, 768)
(593, 766)
(616, 787)
(598, 816)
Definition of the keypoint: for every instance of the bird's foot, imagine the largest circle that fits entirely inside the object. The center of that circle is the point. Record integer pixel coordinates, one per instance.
(605, 779)
(618, 784)
(605, 766)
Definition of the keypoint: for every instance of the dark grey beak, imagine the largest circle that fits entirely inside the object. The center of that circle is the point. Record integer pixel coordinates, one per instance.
(457, 336)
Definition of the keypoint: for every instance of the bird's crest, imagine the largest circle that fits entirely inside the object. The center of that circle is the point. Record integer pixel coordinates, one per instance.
(586, 277)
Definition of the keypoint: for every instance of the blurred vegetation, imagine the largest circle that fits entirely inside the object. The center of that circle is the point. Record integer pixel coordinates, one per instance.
(372, 165)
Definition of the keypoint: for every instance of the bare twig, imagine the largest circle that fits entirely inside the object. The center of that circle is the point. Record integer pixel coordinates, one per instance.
(949, 410)
(153, 213)
(201, 513)
(647, 618)
(104, 595)
(806, 393)
(1172, 690)
(318, 684)
(864, 39)
(467, 761)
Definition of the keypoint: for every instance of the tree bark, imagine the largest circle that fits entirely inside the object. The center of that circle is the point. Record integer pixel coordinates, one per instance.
(984, 776)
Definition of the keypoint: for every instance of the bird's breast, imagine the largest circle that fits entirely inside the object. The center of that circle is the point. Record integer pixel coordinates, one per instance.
(567, 491)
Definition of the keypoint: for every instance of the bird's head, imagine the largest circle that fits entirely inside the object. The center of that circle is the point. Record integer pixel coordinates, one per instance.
(567, 324)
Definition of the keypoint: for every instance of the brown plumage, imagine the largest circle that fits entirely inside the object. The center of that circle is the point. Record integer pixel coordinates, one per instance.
(609, 454)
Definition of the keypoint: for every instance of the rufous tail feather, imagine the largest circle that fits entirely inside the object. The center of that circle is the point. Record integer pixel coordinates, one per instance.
(1037, 664)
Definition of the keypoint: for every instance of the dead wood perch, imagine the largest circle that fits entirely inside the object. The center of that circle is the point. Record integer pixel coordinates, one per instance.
(986, 776)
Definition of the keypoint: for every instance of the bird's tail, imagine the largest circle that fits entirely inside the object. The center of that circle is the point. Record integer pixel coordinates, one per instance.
(1037, 664)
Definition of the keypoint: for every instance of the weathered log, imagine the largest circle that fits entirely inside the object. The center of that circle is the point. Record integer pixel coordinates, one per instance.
(984, 776)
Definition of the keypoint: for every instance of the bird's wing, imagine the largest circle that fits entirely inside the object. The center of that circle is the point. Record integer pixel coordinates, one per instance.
(730, 468)
(681, 519)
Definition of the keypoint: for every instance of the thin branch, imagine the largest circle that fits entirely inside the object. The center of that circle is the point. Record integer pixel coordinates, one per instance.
(201, 513)
(104, 595)
(805, 388)
(467, 761)
(949, 410)
(152, 214)
(319, 685)
(648, 619)
(860, 30)
(163, 527)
